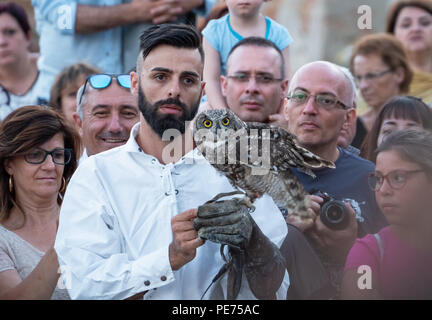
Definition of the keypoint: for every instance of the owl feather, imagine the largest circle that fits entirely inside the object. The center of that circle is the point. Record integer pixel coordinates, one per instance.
(256, 158)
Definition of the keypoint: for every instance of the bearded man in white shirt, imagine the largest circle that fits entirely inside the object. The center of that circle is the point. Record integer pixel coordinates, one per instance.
(126, 223)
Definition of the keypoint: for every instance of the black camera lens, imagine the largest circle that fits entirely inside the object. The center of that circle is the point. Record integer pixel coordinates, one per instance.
(334, 215)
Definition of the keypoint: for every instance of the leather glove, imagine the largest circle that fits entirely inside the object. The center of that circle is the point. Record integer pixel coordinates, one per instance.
(226, 222)
(264, 265)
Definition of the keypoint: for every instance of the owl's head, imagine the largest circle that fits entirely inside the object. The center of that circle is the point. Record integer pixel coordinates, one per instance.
(218, 120)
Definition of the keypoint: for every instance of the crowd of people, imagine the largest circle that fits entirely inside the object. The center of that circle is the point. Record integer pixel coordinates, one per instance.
(92, 206)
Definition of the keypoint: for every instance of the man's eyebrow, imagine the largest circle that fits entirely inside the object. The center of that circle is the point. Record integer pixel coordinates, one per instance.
(161, 70)
(191, 73)
(100, 106)
(323, 92)
(129, 107)
(300, 88)
(187, 73)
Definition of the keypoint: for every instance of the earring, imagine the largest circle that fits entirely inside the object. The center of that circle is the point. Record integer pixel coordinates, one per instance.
(10, 184)
(63, 186)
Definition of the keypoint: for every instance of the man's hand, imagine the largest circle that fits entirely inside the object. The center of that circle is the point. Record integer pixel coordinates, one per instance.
(313, 204)
(185, 239)
(335, 243)
(169, 10)
(141, 9)
(278, 120)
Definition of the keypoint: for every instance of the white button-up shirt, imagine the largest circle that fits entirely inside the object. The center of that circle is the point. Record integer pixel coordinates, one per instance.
(115, 226)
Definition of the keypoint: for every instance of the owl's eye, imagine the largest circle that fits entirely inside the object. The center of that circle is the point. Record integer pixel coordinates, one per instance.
(207, 123)
(225, 121)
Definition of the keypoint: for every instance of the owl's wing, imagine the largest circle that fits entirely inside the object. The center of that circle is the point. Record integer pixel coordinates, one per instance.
(285, 153)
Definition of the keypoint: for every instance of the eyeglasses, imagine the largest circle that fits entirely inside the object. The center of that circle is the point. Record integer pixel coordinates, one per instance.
(370, 76)
(103, 80)
(260, 78)
(323, 100)
(59, 156)
(396, 179)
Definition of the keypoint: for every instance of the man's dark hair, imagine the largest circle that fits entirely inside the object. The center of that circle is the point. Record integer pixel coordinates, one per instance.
(176, 35)
(260, 42)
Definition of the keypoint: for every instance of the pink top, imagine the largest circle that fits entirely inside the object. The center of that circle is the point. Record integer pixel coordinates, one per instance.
(403, 271)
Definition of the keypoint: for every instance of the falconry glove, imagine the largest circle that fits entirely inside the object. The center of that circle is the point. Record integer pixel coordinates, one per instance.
(228, 222)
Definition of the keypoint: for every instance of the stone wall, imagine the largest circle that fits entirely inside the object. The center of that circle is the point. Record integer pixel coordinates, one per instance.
(325, 29)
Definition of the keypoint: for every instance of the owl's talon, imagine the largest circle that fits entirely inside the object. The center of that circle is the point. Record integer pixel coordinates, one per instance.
(224, 194)
(247, 201)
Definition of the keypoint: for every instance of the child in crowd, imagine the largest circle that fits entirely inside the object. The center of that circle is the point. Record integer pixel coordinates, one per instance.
(396, 262)
(219, 36)
(399, 113)
(65, 87)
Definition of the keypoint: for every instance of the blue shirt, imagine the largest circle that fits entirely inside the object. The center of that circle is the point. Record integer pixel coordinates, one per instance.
(348, 181)
(223, 37)
(60, 46)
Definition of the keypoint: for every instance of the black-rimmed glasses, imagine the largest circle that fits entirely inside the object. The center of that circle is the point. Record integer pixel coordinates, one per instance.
(396, 179)
(323, 100)
(59, 156)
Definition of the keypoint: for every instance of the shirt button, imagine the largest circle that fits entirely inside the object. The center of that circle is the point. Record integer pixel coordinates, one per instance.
(176, 191)
(163, 278)
(139, 149)
(167, 193)
(147, 283)
(153, 161)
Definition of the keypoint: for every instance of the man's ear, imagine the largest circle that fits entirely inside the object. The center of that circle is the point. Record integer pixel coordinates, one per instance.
(285, 85)
(134, 79)
(78, 123)
(350, 117)
(223, 84)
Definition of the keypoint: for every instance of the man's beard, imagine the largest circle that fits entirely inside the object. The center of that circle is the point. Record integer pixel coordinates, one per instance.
(159, 123)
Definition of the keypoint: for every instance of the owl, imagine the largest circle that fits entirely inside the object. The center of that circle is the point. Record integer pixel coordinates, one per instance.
(256, 158)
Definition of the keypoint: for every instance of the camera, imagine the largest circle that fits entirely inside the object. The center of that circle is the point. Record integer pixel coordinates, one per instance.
(333, 212)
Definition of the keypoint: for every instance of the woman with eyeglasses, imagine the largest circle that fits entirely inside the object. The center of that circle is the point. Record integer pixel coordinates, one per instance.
(411, 22)
(400, 113)
(381, 71)
(19, 74)
(38, 152)
(396, 263)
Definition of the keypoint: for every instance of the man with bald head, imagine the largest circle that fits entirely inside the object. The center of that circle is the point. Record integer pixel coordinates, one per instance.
(320, 104)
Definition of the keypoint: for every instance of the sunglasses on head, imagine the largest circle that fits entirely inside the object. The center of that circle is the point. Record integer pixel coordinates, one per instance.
(103, 80)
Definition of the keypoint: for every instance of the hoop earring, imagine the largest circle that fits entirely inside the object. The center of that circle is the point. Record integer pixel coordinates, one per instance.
(63, 186)
(10, 184)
